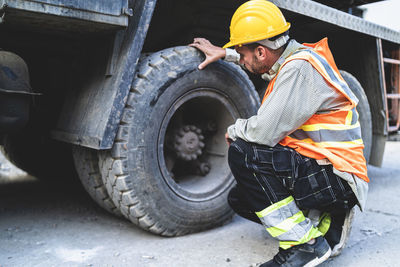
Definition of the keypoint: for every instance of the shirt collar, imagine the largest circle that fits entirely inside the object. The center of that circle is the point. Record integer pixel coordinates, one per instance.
(292, 46)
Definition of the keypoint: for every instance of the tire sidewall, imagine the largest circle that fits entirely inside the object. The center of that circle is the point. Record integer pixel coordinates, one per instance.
(145, 131)
(363, 110)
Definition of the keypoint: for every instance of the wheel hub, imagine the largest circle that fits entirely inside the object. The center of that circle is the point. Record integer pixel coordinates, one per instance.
(192, 151)
(188, 143)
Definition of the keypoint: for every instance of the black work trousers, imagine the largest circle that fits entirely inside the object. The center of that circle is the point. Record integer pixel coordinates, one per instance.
(266, 175)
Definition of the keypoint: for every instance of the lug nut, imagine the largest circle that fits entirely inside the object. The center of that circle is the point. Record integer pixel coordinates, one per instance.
(204, 168)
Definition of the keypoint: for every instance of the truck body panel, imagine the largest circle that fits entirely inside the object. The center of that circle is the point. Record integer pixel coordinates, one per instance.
(91, 115)
(98, 11)
(338, 18)
(99, 133)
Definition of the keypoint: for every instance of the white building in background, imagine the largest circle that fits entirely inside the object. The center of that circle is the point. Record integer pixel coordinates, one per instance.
(385, 13)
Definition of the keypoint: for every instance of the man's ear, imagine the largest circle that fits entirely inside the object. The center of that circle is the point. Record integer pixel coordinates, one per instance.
(260, 52)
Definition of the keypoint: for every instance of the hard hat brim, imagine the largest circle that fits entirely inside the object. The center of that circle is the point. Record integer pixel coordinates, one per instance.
(228, 45)
(259, 38)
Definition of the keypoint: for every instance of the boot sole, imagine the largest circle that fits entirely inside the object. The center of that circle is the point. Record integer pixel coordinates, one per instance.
(347, 225)
(318, 261)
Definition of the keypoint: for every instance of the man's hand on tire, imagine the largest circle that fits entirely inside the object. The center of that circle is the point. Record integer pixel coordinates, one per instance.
(212, 52)
(228, 139)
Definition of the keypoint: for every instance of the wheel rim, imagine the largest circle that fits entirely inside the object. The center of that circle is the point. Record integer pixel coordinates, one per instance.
(194, 171)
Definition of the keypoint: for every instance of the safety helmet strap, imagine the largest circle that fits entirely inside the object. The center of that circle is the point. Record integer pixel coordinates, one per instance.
(278, 43)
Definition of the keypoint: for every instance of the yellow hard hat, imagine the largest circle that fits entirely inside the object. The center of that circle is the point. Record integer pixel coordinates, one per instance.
(256, 20)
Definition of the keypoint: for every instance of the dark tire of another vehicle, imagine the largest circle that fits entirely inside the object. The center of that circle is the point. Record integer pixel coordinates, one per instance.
(167, 170)
(87, 166)
(40, 156)
(364, 111)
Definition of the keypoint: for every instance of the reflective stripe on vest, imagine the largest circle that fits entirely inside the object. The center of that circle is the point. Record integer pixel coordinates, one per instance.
(335, 135)
(338, 135)
(327, 133)
(328, 72)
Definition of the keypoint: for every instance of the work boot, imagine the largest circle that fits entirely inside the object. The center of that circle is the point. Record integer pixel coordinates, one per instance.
(308, 255)
(339, 231)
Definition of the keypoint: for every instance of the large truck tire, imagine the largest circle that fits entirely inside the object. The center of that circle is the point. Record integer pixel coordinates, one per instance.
(364, 111)
(167, 171)
(87, 167)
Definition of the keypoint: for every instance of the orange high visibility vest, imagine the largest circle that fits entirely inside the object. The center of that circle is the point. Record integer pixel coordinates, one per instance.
(336, 135)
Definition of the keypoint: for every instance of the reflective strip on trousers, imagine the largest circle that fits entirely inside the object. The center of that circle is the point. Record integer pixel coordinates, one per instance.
(320, 220)
(287, 223)
(324, 223)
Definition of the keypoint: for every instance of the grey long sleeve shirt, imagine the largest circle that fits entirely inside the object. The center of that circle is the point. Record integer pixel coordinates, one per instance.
(299, 92)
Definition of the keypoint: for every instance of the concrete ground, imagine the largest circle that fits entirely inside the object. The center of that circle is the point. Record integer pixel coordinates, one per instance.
(50, 225)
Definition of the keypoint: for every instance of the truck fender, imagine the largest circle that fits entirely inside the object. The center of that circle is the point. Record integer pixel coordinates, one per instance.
(90, 116)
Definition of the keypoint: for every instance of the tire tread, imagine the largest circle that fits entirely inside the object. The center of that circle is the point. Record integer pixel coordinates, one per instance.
(114, 170)
(86, 164)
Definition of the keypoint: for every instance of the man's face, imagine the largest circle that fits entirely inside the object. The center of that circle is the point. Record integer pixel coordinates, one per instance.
(251, 60)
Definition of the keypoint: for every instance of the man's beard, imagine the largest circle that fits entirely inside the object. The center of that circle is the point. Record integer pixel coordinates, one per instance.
(257, 66)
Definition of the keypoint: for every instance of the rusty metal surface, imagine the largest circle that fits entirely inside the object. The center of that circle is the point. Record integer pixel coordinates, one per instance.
(393, 89)
(390, 75)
